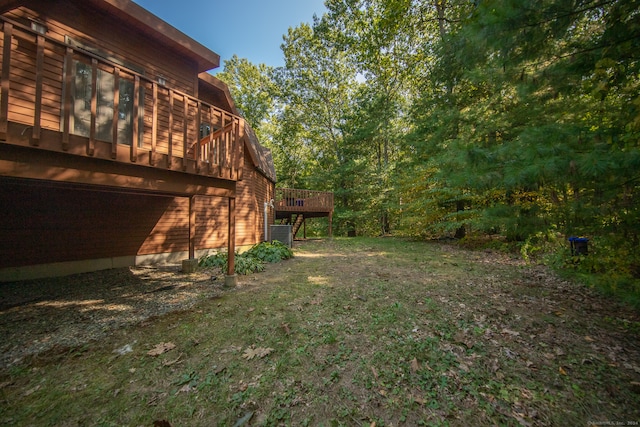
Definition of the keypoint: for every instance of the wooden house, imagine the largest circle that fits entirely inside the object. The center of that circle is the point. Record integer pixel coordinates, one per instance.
(116, 146)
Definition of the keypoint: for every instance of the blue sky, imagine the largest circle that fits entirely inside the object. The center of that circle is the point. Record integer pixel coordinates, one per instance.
(251, 29)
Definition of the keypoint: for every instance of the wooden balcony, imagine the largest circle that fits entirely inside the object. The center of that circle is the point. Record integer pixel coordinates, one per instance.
(125, 118)
(311, 203)
(303, 204)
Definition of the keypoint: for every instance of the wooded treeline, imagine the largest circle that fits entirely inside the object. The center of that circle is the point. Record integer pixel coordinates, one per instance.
(436, 118)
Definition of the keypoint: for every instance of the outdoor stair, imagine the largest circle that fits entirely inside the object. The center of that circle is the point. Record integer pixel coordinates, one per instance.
(297, 224)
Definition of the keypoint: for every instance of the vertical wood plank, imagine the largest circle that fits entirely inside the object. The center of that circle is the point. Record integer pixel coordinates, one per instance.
(170, 142)
(37, 114)
(223, 146)
(6, 69)
(135, 118)
(210, 143)
(154, 125)
(94, 107)
(68, 96)
(192, 227)
(233, 145)
(231, 234)
(240, 166)
(116, 112)
(196, 147)
(185, 134)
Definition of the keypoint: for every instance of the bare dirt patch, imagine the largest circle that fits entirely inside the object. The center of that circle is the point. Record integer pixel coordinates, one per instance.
(65, 312)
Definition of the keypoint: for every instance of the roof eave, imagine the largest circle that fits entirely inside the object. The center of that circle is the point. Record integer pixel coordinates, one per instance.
(160, 30)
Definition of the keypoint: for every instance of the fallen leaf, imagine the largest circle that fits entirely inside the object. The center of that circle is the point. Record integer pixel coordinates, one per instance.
(218, 369)
(562, 371)
(32, 390)
(382, 392)
(187, 388)
(232, 349)
(161, 348)
(559, 351)
(588, 339)
(374, 372)
(253, 352)
(285, 326)
(415, 366)
(154, 400)
(171, 362)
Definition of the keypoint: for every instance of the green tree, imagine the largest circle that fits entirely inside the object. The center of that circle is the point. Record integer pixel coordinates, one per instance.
(254, 93)
(537, 118)
(381, 38)
(317, 85)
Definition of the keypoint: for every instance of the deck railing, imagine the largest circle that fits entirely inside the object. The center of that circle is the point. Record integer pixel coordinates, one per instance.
(128, 117)
(294, 200)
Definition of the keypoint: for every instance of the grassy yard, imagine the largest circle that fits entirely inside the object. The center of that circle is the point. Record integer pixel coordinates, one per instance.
(355, 332)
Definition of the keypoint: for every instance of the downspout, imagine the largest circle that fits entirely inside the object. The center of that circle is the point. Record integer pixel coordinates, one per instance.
(266, 217)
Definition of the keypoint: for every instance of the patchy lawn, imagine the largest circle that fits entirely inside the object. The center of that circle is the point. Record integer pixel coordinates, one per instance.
(349, 332)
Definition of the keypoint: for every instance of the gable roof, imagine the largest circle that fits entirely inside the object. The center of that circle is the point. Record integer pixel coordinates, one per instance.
(145, 22)
(261, 156)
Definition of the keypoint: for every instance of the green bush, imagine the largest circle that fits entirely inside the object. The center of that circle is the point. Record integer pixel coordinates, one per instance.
(270, 252)
(212, 261)
(251, 261)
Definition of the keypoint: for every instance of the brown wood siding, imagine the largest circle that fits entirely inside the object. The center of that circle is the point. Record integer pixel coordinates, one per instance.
(211, 222)
(252, 192)
(43, 224)
(110, 37)
(102, 31)
(171, 230)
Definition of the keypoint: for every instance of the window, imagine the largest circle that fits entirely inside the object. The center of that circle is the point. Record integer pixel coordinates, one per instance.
(81, 104)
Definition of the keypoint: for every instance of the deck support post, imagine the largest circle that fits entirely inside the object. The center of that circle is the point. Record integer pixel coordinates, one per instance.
(231, 279)
(330, 224)
(192, 227)
(190, 265)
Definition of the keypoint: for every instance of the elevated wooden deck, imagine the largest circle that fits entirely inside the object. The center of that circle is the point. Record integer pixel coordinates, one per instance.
(311, 203)
(303, 204)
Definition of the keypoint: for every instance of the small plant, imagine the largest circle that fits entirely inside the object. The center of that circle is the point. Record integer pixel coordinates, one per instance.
(251, 261)
(270, 252)
(211, 261)
(247, 264)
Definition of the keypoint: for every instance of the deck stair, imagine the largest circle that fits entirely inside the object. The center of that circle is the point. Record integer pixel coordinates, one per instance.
(303, 204)
(297, 224)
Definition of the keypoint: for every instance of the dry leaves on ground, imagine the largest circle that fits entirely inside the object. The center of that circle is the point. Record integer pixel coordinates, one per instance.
(253, 352)
(161, 348)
